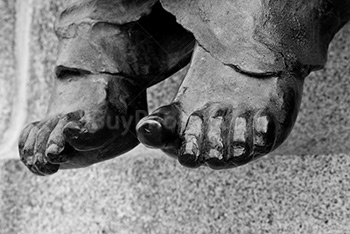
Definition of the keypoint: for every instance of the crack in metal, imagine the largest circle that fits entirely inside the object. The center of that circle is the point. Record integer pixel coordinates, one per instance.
(263, 75)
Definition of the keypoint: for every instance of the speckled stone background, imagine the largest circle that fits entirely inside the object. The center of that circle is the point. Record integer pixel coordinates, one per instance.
(291, 191)
(7, 60)
(147, 193)
(323, 125)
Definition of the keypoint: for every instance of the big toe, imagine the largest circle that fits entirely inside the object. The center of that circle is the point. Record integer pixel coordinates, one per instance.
(159, 130)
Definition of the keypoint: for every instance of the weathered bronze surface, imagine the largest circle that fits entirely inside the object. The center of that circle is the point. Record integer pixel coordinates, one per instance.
(110, 51)
(241, 96)
(238, 101)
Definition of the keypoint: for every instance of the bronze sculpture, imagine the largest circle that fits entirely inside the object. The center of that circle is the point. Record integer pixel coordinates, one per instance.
(238, 101)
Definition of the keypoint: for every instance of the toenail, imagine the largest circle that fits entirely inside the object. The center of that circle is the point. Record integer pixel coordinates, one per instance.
(214, 153)
(192, 136)
(191, 146)
(264, 135)
(150, 133)
(53, 149)
(240, 130)
(238, 151)
(261, 124)
(188, 160)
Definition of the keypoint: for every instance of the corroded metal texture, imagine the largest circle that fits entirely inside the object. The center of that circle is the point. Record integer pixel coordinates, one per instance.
(246, 77)
(109, 53)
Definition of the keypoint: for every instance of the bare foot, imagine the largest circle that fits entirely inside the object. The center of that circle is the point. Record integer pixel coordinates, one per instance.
(106, 62)
(223, 117)
(241, 96)
(91, 119)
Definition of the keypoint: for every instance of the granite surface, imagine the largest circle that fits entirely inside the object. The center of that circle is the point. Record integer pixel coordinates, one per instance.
(323, 124)
(145, 192)
(8, 62)
(43, 44)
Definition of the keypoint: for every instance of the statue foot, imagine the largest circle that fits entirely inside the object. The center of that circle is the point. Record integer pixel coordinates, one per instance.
(224, 117)
(81, 131)
(241, 96)
(110, 52)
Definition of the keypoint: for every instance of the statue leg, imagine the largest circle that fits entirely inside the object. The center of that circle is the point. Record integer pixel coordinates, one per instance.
(110, 51)
(241, 96)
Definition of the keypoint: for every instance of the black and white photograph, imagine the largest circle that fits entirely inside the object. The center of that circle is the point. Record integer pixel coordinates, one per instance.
(174, 116)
